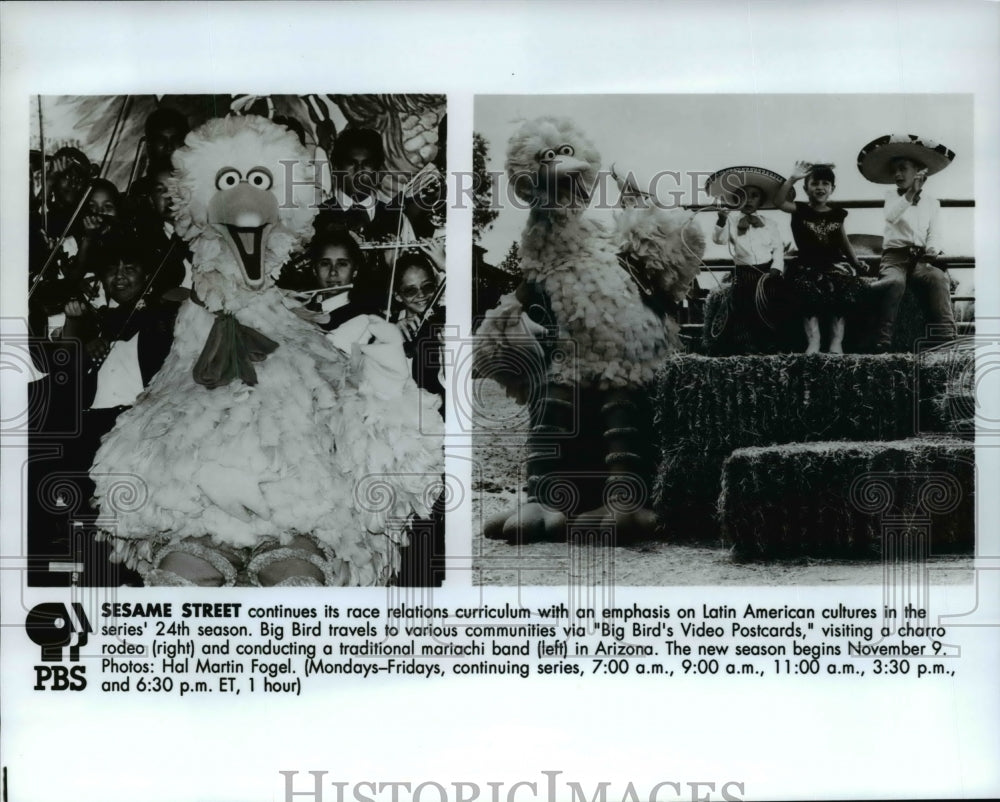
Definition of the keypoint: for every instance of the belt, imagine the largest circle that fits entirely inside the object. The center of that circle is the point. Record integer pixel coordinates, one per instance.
(915, 253)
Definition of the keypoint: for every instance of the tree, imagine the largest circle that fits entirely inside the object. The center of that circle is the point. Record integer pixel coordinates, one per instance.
(484, 211)
(511, 264)
(489, 282)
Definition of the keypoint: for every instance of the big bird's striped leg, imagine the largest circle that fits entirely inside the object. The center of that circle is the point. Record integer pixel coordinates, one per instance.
(627, 433)
(539, 516)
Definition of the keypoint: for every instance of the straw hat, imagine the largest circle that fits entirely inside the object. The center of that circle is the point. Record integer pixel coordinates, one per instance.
(875, 159)
(725, 184)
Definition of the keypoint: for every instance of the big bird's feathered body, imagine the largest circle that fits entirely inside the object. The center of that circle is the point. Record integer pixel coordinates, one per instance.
(602, 294)
(618, 341)
(302, 443)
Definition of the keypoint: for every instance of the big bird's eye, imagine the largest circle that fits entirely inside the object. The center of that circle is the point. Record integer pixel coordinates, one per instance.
(566, 150)
(260, 178)
(227, 178)
(546, 155)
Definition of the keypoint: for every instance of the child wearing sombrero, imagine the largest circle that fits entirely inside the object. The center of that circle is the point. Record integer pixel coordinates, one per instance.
(911, 242)
(757, 249)
(826, 282)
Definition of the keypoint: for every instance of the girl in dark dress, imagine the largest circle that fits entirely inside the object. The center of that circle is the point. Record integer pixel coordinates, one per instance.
(826, 281)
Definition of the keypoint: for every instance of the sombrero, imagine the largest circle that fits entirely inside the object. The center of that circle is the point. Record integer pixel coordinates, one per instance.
(726, 184)
(875, 158)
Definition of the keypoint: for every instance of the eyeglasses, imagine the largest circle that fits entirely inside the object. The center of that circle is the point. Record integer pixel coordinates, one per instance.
(411, 292)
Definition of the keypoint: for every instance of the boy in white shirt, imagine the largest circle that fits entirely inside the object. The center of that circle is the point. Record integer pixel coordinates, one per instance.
(911, 241)
(757, 249)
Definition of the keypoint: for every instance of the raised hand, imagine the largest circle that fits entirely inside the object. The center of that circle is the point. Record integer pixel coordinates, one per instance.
(75, 309)
(92, 224)
(435, 250)
(801, 170)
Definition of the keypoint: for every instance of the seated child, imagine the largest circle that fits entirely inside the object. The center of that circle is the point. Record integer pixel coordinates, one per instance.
(414, 289)
(122, 346)
(69, 173)
(101, 218)
(825, 285)
(125, 342)
(756, 247)
(336, 258)
(153, 218)
(350, 313)
(72, 277)
(911, 240)
(52, 262)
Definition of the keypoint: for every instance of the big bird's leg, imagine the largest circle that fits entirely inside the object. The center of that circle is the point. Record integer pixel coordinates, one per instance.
(626, 489)
(538, 517)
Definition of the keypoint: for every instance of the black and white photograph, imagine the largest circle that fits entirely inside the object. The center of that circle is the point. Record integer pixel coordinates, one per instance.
(461, 401)
(235, 305)
(730, 336)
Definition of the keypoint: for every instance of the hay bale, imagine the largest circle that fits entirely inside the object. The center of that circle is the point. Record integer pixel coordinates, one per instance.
(838, 500)
(948, 389)
(706, 407)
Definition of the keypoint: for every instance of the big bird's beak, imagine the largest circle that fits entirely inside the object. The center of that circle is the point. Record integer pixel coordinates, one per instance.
(565, 169)
(245, 216)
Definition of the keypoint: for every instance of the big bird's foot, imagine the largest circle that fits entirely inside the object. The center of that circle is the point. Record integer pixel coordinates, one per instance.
(529, 522)
(304, 562)
(628, 526)
(493, 528)
(194, 562)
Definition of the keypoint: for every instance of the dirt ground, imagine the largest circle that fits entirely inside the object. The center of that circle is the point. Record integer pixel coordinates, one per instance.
(499, 450)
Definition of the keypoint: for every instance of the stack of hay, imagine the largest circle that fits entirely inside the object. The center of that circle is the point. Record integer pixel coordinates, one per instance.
(734, 432)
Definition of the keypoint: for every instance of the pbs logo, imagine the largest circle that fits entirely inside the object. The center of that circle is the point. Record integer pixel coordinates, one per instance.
(59, 630)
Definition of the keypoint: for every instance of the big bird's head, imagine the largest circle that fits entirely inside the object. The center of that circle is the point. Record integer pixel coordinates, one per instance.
(552, 164)
(244, 196)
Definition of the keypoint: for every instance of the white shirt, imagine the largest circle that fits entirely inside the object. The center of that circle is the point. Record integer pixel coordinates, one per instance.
(366, 202)
(119, 379)
(756, 246)
(906, 224)
(334, 302)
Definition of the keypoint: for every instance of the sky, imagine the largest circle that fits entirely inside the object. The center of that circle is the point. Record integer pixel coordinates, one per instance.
(653, 133)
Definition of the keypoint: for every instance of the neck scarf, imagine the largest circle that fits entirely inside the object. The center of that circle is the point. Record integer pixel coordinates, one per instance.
(746, 221)
(230, 351)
